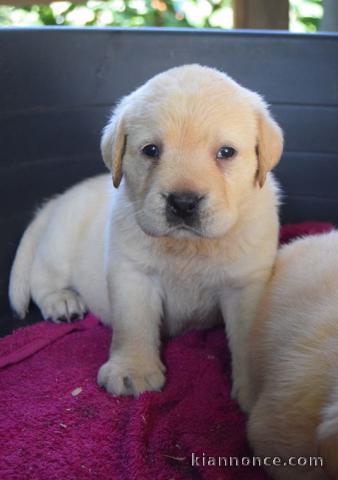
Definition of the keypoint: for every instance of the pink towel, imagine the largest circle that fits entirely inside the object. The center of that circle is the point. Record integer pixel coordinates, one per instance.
(57, 424)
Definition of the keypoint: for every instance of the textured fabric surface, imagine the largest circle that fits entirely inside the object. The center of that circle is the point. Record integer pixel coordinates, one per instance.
(56, 423)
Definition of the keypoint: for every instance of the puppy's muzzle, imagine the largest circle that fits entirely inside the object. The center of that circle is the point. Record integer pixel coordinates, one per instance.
(183, 206)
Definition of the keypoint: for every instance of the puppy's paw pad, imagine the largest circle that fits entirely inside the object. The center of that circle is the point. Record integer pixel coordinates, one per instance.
(63, 305)
(131, 378)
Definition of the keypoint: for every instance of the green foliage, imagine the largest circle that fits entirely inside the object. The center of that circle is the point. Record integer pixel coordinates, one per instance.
(304, 14)
(311, 23)
(169, 13)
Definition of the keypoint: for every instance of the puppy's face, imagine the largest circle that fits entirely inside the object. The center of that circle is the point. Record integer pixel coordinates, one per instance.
(190, 144)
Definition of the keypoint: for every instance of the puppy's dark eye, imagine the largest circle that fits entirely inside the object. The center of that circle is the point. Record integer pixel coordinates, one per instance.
(225, 152)
(151, 150)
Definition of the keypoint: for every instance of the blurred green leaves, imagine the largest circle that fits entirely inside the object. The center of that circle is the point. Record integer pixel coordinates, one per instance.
(125, 13)
(304, 14)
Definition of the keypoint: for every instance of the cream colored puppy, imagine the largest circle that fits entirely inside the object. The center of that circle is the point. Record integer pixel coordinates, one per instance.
(191, 230)
(294, 361)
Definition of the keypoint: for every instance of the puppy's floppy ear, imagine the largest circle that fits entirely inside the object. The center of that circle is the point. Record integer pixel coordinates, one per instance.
(113, 144)
(269, 141)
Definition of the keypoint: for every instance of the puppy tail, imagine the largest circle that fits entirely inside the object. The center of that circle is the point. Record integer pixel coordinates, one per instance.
(19, 281)
(328, 436)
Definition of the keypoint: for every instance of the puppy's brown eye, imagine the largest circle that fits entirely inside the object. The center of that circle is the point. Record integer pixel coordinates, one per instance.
(151, 150)
(225, 152)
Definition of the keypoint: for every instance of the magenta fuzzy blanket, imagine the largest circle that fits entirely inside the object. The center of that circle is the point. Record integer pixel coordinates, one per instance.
(57, 424)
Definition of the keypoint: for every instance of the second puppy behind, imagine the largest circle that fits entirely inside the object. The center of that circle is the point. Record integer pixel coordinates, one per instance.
(294, 362)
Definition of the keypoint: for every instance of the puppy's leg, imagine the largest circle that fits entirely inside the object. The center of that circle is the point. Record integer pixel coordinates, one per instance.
(239, 308)
(51, 291)
(134, 365)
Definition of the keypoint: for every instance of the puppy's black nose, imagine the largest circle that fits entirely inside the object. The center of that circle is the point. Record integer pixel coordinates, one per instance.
(183, 204)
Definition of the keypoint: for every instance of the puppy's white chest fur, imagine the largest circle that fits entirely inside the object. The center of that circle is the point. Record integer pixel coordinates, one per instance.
(188, 300)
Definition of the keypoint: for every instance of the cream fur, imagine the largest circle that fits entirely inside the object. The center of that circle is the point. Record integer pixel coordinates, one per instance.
(114, 252)
(294, 360)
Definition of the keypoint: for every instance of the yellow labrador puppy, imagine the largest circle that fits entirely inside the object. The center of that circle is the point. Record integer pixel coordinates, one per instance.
(191, 230)
(294, 362)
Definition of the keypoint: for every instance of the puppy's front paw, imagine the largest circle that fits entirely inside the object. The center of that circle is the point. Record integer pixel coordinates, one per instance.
(125, 375)
(63, 305)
